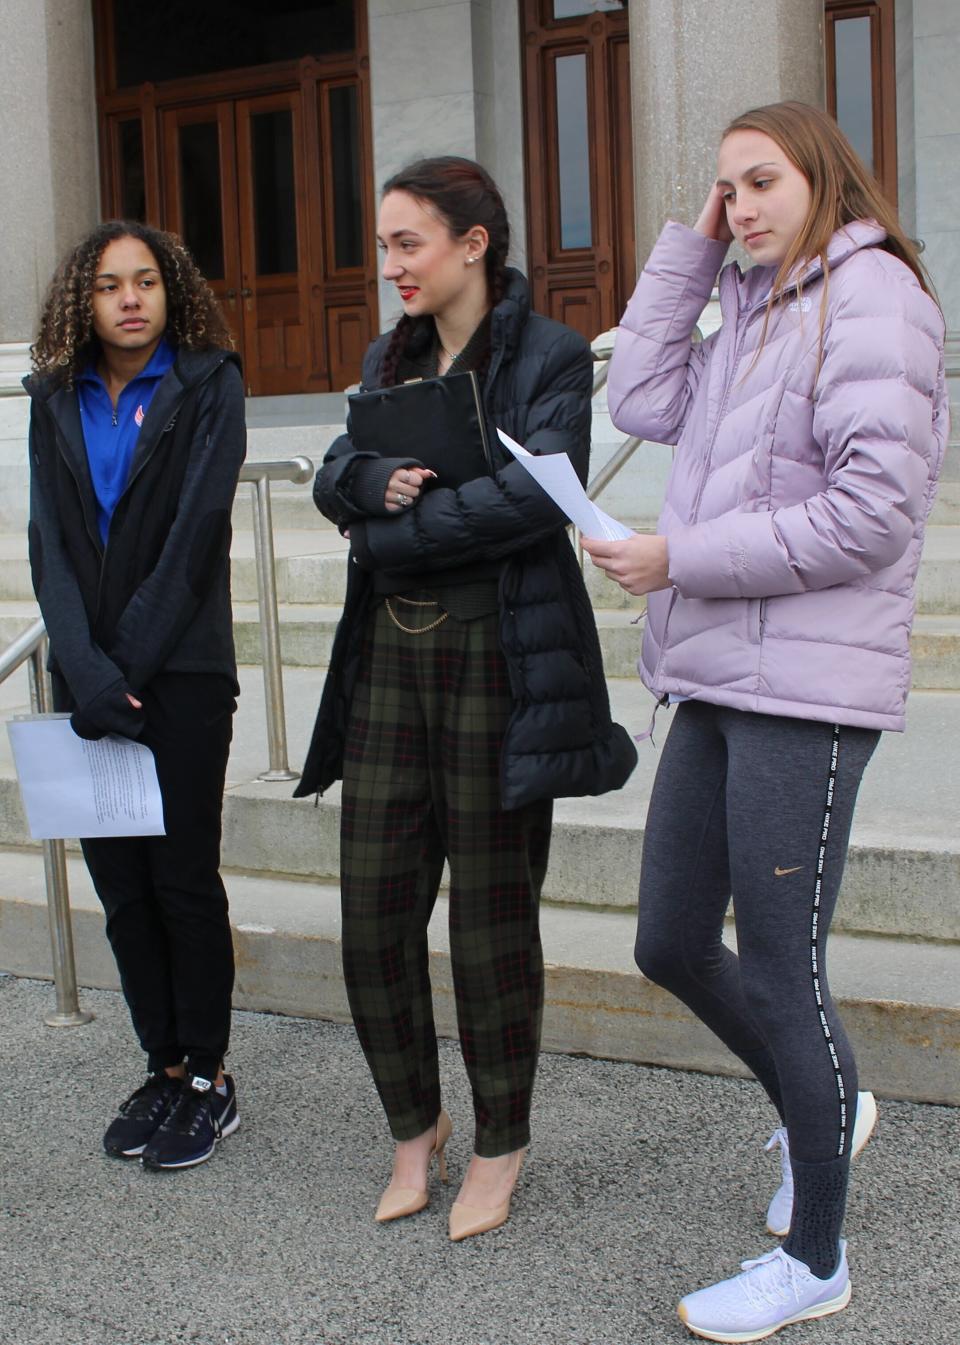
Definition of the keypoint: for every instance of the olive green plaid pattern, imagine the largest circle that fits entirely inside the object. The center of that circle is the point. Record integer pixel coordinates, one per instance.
(421, 783)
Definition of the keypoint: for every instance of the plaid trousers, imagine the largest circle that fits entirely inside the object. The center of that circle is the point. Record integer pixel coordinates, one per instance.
(420, 784)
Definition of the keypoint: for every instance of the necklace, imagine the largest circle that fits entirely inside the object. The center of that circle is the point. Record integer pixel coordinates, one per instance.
(451, 357)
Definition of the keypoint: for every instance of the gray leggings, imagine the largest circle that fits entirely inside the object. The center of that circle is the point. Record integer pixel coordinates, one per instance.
(758, 806)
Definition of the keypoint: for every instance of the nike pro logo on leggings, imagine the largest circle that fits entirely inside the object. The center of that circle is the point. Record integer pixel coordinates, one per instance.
(815, 940)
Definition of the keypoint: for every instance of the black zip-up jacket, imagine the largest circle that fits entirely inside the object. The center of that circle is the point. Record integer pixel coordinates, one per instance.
(157, 595)
(560, 740)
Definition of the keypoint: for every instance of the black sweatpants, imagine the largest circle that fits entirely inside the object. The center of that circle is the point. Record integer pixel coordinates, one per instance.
(758, 807)
(164, 900)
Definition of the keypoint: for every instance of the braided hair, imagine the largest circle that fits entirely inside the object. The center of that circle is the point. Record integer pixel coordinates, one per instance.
(464, 195)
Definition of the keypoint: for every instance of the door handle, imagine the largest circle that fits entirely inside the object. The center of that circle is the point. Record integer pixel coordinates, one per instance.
(231, 295)
(246, 294)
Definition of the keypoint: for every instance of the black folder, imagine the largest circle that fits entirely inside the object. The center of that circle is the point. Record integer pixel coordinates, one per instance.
(439, 421)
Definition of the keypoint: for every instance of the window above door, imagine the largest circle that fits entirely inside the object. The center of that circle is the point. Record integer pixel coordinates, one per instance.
(181, 39)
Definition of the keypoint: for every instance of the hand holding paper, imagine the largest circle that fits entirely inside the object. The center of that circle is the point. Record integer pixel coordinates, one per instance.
(554, 474)
(73, 786)
(640, 564)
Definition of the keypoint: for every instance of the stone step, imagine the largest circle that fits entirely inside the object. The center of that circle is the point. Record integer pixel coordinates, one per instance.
(902, 878)
(946, 507)
(894, 994)
(307, 631)
(310, 561)
(310, 570)
(291, 507)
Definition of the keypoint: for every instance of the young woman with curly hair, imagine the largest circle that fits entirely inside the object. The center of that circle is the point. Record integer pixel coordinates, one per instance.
(465, 691)
(136, 440)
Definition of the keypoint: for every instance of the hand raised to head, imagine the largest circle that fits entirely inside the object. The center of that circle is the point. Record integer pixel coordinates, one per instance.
(712, 222)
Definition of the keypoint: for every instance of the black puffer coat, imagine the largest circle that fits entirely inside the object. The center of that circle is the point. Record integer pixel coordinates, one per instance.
(560, 740)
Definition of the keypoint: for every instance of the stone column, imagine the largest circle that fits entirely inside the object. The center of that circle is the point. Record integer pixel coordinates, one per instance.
(445, 79)
(693, 68)
(936, 119)
(49, 191)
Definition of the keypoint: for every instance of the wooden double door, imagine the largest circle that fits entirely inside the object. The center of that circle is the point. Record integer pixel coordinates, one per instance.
(233, 189)
(283, 251)
(270, 189)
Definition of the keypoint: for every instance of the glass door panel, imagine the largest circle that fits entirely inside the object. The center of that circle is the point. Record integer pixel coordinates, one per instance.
(201, 208)
(573, 151)
(133, 191)
(346, 157)
(273, 232)
(853, 40)
(274, 194)
(200, 189)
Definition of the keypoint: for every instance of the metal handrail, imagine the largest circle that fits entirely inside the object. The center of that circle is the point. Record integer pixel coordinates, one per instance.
(32, 646)
(259, 475)
(615, 464)
(626, 450)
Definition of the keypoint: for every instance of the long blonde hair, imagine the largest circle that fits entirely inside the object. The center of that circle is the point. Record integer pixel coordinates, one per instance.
(841, 190)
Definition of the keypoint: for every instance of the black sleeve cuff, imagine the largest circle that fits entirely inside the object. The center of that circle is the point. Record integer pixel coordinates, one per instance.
(367, 484)
(108, 712)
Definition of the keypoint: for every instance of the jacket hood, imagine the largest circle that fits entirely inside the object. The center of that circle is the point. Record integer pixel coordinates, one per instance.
(752, 287)
(510, 314)
(190, 367)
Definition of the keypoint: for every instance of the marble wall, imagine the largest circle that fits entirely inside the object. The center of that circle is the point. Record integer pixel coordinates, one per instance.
(445, 79)
(49, 190)
(936, 116)
(49, 193)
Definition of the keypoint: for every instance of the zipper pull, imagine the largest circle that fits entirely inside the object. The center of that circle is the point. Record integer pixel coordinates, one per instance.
(114, 420)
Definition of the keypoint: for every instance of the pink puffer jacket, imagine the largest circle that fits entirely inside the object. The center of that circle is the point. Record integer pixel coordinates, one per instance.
(798, 497)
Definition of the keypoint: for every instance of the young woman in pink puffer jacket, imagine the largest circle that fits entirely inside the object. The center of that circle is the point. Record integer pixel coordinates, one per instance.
(810, 430)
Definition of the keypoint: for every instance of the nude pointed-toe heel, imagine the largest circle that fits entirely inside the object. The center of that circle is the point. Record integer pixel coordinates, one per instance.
(399, 1201)
(466, 1221)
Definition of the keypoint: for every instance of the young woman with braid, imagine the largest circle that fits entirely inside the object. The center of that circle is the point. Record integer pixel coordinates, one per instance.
(810, 431)
(136, 440)
(465, 691)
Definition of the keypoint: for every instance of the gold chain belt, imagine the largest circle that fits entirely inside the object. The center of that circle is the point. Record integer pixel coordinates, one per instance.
(413, 602)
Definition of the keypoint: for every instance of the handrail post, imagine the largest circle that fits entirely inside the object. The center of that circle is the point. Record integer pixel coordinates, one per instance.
(270, 634)
(68, 1012)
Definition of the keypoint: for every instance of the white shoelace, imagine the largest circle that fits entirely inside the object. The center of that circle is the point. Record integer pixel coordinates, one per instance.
(779, 1137)
(775, 1282)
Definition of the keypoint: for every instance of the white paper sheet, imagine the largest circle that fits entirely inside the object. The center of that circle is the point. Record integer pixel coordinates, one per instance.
(554, 473)
(73, 787)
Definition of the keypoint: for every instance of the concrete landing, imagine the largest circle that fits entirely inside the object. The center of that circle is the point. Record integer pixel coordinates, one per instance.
(895, 997)
(640, 1185)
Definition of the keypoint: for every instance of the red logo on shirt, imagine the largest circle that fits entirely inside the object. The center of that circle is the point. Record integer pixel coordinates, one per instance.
(138, 416)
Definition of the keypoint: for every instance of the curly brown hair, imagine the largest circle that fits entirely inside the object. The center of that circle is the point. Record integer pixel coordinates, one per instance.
(66, 342)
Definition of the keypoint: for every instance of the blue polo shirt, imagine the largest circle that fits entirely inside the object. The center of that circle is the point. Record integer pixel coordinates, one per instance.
(111, 436)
